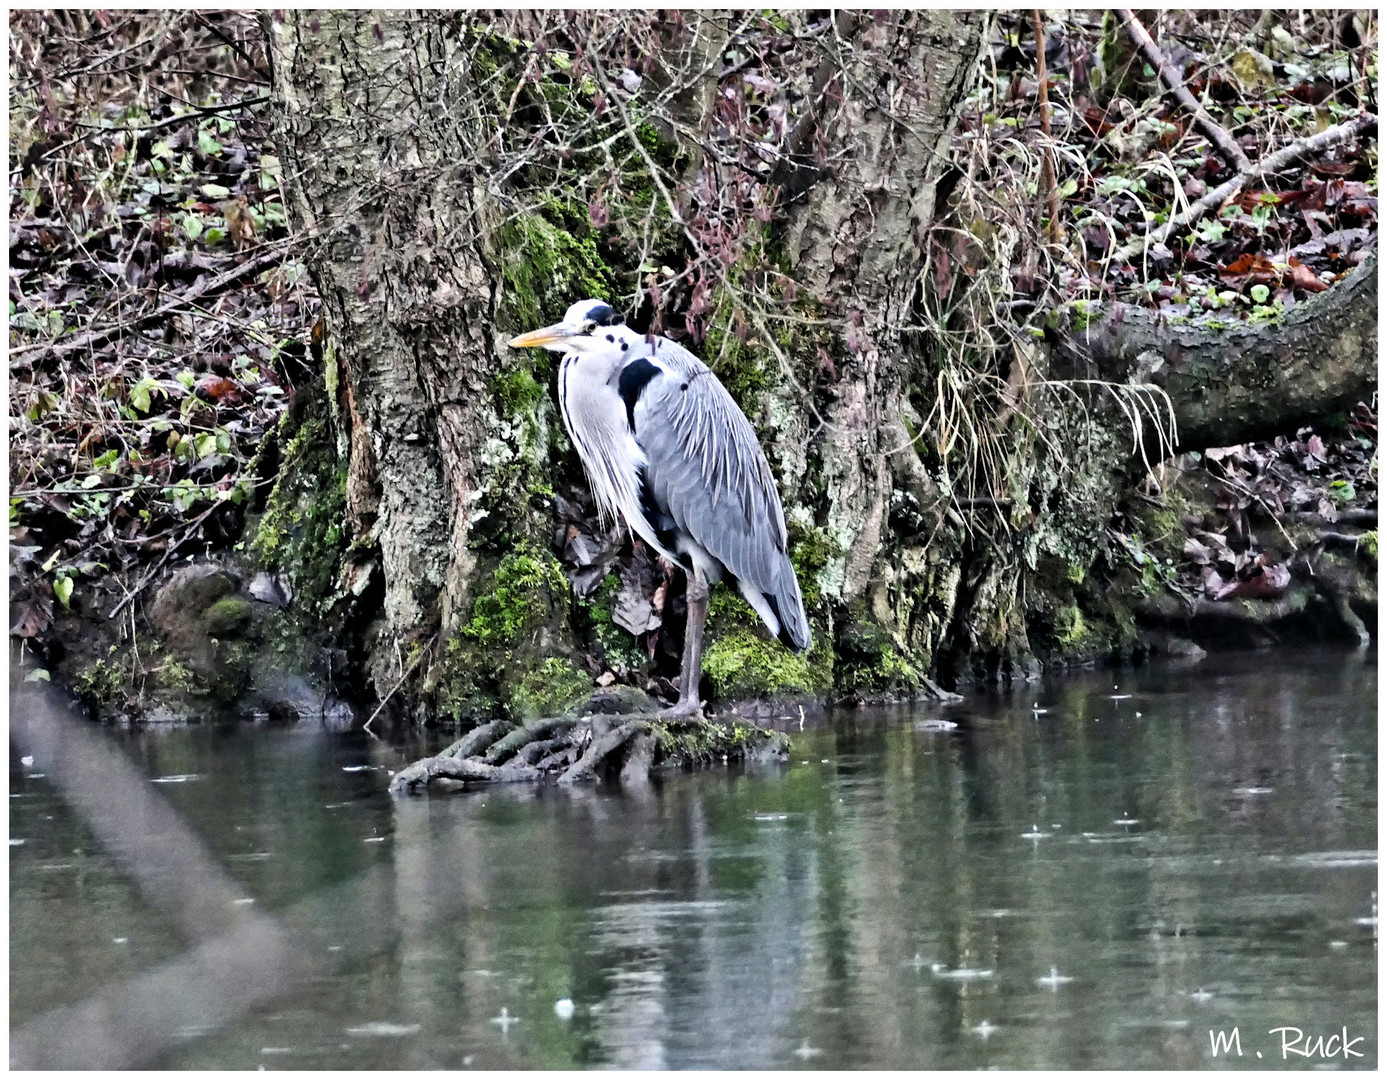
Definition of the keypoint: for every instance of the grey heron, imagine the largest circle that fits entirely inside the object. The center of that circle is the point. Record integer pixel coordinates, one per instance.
(667, 450)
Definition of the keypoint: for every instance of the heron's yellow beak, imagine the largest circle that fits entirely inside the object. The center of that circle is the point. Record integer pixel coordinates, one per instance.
(550, 335)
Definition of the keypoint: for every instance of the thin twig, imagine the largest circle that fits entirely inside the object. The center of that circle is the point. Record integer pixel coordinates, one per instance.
(1048, 185)
(168, 552)
(366, 727)
(171, 121)
(1217, 133)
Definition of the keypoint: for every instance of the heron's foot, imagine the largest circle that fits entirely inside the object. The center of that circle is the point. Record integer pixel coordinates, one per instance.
(683, 709)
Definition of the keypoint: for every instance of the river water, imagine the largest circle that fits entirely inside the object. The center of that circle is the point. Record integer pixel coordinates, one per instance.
(1093, 872)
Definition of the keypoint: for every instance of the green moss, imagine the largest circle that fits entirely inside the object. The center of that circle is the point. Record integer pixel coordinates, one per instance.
(811, 550)
(716, 741)
(229, 615)
(551, 688)
(547, 267)
(1070, 629)
(502, 659)
(870, 661)
(516, 392)
(522, 588)
(457, 687)
(301, 528)
(1369, 542)
(741, 663)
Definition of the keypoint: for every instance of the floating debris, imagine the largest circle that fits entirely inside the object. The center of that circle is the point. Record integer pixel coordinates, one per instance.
(985, 1030)
(961, 974)
(383, 1029)
(563, 1008)
(935, 725)
(1253, 790)
(374, 839)
(1201, 995)
(917, 962)
(16, 842)
(804, 1052)
(27, 760)
(505, 1020)
(1034, 834)
(177, 778)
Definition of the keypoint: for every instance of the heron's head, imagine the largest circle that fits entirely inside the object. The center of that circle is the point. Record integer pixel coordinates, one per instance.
(587, 327)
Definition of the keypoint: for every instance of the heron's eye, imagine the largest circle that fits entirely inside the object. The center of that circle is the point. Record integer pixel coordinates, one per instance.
(589, 326)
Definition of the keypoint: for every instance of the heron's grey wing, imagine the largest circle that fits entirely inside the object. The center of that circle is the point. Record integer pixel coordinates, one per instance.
(706, 470)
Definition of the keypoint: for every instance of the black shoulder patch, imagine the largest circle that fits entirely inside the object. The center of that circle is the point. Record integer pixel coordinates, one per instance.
(603, 315)
(631, 382)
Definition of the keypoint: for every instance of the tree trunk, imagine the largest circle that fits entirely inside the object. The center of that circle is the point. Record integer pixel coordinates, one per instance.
(384, 136)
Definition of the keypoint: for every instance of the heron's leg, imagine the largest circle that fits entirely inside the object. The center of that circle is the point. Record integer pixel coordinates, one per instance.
(696, 599)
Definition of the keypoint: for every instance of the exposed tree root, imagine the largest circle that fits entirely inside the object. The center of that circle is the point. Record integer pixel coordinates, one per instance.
(587, 745)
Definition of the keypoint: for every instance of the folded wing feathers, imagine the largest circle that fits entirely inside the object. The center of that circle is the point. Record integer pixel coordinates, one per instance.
(705, 463)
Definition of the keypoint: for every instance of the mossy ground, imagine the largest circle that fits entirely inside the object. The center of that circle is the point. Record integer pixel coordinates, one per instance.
(741, 660)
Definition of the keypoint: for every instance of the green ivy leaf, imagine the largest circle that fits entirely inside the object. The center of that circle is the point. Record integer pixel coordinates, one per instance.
(207, 143)
(139, 394)
(62, 589)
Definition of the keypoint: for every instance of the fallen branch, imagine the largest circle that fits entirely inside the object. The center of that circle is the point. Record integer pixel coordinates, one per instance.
(1225, 191)
(1218, 135)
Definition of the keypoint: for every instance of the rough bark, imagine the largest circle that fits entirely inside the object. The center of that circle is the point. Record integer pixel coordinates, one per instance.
(856, 241)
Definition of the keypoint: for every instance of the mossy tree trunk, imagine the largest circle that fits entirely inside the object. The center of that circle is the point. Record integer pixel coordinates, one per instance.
(385, 138)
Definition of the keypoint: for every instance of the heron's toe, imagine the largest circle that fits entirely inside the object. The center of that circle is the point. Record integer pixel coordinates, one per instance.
(683, 710)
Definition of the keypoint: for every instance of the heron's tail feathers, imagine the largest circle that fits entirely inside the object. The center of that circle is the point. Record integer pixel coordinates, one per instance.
(788, 622)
